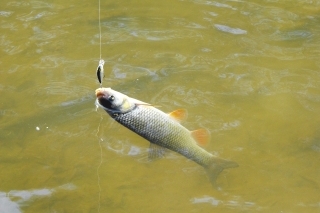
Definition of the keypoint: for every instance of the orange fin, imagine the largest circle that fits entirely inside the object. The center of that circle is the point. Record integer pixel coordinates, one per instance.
(179, 114)
(201, 136)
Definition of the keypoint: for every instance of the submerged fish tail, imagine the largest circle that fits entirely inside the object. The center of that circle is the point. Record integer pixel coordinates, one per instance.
(216, 166)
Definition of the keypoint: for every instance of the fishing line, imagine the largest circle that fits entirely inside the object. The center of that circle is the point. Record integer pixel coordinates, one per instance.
(98, 168)
(100, 75)
(100, 30)
(100, 71)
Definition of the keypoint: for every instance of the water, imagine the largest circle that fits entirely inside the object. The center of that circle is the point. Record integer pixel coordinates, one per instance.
(248, 71)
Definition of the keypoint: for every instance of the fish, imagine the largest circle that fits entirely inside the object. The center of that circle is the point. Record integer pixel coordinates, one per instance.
(100, 71)
(163, 130)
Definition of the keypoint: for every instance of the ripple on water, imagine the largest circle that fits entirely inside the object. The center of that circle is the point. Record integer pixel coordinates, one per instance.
(183, 95)
(127, 29)
(227, 29)
(214, 3)
(291, 35)
(236, 202)
(9, 47)
(131, 72)
(33, 16)
(5, 13)
(41, 4)
(124, 147)
(8, 112)
(12, 200)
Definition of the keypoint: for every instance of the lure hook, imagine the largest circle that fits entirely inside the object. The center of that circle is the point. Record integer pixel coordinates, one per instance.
(100, 71)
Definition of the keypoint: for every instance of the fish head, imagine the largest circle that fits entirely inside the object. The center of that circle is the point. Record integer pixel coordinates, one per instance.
(113, 101)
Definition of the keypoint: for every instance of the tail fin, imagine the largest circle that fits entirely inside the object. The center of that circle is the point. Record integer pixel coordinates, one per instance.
(217, 166)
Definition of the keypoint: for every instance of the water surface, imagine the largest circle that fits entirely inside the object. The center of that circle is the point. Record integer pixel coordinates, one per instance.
(248, 71)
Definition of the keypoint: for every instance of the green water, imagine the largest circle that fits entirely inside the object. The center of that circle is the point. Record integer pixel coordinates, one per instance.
(248, 71)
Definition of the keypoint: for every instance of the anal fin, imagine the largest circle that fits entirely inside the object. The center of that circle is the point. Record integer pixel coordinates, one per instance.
(201, 136)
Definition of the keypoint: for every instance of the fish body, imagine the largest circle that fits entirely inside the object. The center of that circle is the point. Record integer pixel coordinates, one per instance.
(162, 130)
(100, 71)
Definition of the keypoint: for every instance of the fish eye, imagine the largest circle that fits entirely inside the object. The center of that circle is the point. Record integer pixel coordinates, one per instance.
(111, 98)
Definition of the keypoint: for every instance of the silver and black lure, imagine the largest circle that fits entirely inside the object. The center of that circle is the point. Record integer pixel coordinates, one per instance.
(100, 71)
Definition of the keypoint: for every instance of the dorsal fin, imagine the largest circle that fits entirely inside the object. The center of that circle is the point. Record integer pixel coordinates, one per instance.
(201, 136)
(141, 103)
(138, 102)
(179, 114)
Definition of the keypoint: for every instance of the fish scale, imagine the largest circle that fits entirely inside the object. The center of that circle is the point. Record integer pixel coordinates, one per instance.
(169, 133)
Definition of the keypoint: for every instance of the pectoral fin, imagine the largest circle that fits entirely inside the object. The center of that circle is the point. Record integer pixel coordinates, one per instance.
(201, 136)
(156, 152)
(179, 115)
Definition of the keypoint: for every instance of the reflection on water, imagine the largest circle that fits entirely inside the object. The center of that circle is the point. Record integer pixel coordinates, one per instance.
(248, 71)
(6, 205)
(12, 200)
(235, 203)
(231, 30)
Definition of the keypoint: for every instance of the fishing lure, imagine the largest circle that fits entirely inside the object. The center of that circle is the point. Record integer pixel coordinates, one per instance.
(100, 71)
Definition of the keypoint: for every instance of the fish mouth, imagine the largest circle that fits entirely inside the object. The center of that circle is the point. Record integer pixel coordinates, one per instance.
(99, 93)
(98, 104)
(101, 96)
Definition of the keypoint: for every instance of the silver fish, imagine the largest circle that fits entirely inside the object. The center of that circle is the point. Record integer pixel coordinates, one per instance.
(164, 131)
(100, 71)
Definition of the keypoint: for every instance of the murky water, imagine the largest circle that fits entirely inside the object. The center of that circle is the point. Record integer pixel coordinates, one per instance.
(248, 71)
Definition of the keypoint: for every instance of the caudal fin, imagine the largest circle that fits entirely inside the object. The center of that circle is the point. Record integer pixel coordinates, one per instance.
(217, 166)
